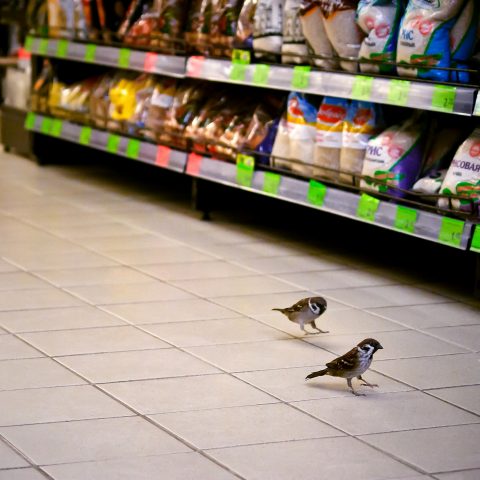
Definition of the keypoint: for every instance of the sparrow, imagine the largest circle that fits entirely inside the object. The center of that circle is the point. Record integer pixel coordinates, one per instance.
(352, 364)
(306, 310)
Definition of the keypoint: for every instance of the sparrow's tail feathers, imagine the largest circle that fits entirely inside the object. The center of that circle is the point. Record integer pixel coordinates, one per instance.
(317, 374)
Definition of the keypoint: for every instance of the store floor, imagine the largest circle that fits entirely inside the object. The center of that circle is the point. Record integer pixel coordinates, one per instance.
(137, 341)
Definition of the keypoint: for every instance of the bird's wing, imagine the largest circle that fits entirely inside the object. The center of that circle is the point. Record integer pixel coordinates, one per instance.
(345, 362)
(297, 307)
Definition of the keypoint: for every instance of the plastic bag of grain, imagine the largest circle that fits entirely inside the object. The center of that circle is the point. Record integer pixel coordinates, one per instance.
(463, 176)
(395, 157)
(294, 48)
(379, 19)
(342, 29)
(463, 38)
(311, 18)
(295, 138)
(364, 120)
(268, 28)
(328, 142)
(244, 33)
(424, 38)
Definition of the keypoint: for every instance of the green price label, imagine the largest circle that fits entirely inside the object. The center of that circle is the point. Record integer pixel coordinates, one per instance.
(271, 183)
(301, 76)
(367, 207)
(46, 125)
(260, 74)
(476, 112)
(241, 56)
(90, 52)
(124, 57)
(245, 168)
(443, 98)
(362, 87)
(62, 48)
(43, 46)
(56, 128)
(475, 246)
(451, 231)
(85, 135)
(405, 219)
(316, 193)
(30, 121)
(238, 72)
(133, 148)
(113, 143)
(398, 92)
(28, 43)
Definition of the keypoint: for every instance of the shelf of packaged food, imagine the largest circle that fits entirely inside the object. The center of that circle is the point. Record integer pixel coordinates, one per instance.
(127, 58)
(400, 92)
(135, 149)
(363, 207)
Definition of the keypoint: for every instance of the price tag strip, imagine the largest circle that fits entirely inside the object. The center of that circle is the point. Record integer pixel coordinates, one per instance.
(245, 169)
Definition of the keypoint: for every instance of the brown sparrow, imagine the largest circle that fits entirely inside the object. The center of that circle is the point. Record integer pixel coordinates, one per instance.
(352, 364)
(306, 310)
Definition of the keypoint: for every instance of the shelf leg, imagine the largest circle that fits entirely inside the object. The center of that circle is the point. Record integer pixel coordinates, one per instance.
(201, 198)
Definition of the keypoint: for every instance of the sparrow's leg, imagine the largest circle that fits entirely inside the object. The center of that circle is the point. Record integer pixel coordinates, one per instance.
(316, 328)
(349, 381)
(371, 385)
(302, 326)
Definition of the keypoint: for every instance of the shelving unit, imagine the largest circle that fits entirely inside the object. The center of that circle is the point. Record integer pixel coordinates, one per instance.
(428, 225)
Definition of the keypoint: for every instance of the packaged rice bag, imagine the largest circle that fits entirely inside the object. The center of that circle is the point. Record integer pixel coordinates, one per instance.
(197, 31)
(463, 40)
(364, 120)
(223, 26)
(296, 136)
(294, 48)
(135, 10)
(342, 30)
(100, 100)
(328, 142)
(379, 19)
(245, 25)
(395, 157)
(424, 38)
(463, 176)
(444, 142)
(313, 27)
(141, 32)
(268, 28)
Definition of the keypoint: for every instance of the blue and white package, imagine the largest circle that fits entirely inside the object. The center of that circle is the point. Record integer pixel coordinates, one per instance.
(463, 39)
(380, 20)
(424, 38)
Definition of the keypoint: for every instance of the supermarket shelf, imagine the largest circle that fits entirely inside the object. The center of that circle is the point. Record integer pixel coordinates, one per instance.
(428, 226)
(138, 60)
(400, 92)
(134, 149)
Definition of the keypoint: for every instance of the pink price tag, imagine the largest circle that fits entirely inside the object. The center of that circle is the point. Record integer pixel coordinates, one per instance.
(193, 164)
(150, 62)
(195, 66)
(163, 156)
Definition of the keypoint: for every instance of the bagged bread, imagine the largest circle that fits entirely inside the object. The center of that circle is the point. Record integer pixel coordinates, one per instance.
(328, 142)
(293, 39)
(223, 26)
(197, 30)
(268, 28)
(463, 38)
(311, 18)
(342, 30)
(296, 136)
(364, 120)
(463, 176)
(379, 20)
(424, 38)
(245, 25)
(395, 157)
(60, 18)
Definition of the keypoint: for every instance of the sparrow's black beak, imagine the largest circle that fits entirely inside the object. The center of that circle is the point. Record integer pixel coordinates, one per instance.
(380, 347)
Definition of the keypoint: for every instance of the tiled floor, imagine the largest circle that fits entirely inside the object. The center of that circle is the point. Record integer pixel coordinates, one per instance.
(138, 342)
